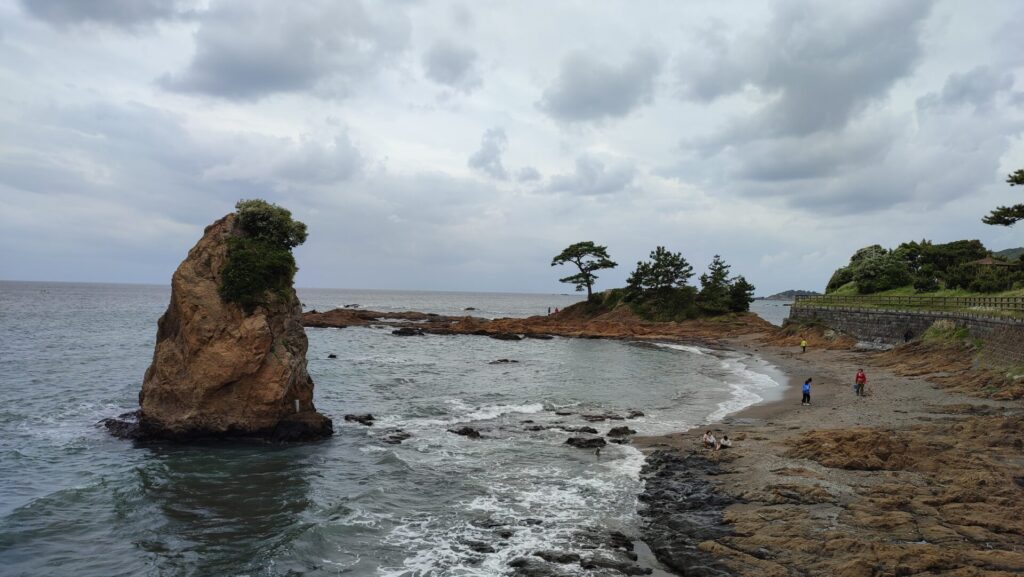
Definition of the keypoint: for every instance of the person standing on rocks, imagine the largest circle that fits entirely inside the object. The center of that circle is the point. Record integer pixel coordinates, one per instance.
(803, 345)
(807, 393)
(859, 382)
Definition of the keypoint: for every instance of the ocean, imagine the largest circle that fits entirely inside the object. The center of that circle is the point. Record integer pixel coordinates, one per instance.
(75, 501)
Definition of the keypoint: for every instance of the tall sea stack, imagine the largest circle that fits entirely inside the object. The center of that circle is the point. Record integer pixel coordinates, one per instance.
(227, 367)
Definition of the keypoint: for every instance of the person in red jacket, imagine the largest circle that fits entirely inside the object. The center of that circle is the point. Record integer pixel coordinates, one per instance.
(859, 382)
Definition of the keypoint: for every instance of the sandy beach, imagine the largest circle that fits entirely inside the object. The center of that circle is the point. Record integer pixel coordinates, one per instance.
(909, 480)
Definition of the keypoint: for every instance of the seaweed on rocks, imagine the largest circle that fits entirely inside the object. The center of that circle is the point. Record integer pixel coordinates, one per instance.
(681, 509)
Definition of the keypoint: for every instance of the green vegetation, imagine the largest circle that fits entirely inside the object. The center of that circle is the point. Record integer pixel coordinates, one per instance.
(925, 267)
(260, 265)
(944, 331)
(1008, 215)
(588, 257)
(658, 289)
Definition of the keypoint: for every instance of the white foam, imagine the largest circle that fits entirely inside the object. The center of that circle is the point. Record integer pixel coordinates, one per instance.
(564, 501)
(746, 387)
(685, 348)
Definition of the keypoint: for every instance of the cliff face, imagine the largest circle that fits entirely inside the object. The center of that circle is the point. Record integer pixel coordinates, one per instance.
(220, 371)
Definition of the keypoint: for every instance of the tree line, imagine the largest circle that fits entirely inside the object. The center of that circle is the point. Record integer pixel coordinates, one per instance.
(659, 288)
(929, 267)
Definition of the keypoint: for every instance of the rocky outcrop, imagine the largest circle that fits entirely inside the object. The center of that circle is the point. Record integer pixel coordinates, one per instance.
(681, 510)
(221, 371)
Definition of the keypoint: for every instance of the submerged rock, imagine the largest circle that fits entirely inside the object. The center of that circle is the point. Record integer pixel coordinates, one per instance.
(586, 442)
(466, 432)
(396, 437)
(552, 556)
(506, 337)
(220, 370)
(407, 332)
(364, 419)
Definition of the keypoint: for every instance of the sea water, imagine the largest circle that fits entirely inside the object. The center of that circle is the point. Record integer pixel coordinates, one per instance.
(75, 501)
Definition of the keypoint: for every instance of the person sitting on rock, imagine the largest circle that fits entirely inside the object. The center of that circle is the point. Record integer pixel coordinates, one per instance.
(724, 443)
(709, 440)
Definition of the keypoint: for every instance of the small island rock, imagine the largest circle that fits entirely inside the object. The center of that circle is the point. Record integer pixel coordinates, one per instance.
(220, 370)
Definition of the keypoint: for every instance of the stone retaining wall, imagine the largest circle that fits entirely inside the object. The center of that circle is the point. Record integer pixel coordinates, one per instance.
(1002, 338)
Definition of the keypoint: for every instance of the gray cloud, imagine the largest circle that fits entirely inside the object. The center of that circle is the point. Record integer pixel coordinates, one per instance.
(589, 89)
(246, 50)
(594, 176)
(977, 88)
(287, 163)
(821, 64)
(528, 174)
(488, 158)
(118, 13)
(452, 65)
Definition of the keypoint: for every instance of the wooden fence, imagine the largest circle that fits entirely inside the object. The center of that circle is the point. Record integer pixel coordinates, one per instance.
(980, 304)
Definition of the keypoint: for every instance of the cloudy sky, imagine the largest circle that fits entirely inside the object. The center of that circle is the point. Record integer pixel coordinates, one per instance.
(460, 145)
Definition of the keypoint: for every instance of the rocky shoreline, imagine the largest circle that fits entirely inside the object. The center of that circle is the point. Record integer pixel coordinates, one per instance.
(918, 478)
(911, 480)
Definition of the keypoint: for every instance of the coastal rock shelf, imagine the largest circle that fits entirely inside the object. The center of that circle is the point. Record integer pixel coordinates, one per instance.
(617, 324)
(682, 509)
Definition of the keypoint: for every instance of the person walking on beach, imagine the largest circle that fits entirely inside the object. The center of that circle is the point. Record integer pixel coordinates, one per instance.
(803, 345)
(807, 393)
(859, 382)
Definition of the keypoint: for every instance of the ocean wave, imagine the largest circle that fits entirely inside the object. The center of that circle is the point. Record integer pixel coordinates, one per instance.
(746, 386)
(685, 348)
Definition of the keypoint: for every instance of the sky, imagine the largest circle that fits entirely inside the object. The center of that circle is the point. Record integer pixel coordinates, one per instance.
(459, 146)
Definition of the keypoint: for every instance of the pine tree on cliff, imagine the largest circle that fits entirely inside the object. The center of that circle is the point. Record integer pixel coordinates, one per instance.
(588, 257)
(1008, 215)
(714, 295)
(666, 270)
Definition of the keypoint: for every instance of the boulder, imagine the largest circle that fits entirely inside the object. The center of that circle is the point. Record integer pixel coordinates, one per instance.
(466, 432)
(364, 419)
(407, 332)
(554, 556)
(396, 437)
(583, 429)
(620, 431)
(586, 442)
(220, 370)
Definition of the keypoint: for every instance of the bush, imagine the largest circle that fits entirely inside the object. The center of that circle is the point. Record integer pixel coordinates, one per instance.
(270, 223)
(991, 280)
(667, 304)
(259, 264)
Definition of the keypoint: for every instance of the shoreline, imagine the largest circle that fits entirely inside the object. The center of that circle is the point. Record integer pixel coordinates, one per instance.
(911, 479)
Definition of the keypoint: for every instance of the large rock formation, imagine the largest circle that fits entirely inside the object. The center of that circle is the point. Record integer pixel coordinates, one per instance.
(221, 371)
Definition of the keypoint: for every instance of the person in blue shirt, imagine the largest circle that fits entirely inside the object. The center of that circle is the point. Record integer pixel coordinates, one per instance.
(807, 393)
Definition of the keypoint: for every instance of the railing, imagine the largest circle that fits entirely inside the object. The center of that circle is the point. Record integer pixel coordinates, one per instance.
(1011, 306)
